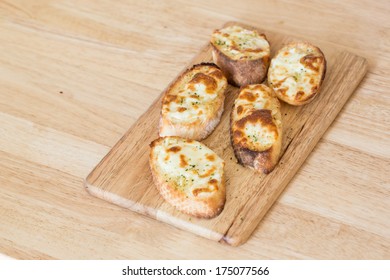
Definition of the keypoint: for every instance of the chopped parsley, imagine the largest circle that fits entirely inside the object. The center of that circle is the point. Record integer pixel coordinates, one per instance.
(253, 137)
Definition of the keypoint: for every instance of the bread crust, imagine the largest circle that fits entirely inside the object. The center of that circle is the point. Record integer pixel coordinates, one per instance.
(242, 71)
(263, 161)
(200, 207)
(300, 98)
(198, 129)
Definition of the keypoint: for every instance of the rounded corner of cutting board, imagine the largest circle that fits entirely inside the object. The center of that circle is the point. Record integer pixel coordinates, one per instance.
(86, 181)
(90, 188)
(234, 240)
(87, 185)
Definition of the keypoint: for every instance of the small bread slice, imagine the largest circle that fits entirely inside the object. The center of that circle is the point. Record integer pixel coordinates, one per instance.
(192, 106)
(188, 175)
(296, 72)
(242, 54)
(256, 128)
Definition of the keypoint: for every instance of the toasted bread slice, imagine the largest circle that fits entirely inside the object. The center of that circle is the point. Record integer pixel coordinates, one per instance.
(256, 128)
(188, 175)
(296, 73)
(242, 54)
(192, 106)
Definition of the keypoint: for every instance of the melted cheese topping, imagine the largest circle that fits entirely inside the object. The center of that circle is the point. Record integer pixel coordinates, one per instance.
(256, 118)
(190, 166)
(193, 100)
(239, 43)
(296, 71)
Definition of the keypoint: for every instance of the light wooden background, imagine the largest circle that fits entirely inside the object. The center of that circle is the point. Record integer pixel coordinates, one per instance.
(74, 76)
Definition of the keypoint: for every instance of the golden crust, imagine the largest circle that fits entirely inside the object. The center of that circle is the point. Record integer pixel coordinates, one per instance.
(250, 150)
(205, 112)
(195, 205)
(246, 69)
(310, 79)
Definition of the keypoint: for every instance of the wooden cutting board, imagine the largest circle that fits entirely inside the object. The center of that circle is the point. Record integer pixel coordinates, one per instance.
(123, 176)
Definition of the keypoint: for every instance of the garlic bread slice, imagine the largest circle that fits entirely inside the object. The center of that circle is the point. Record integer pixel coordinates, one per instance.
(256, 128)
(296, 73)
(242, 54)
(192, 106)
(188, 175)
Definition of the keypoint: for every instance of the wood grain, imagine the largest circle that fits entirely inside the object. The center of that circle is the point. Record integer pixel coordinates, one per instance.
(75, 75)
(123, 177)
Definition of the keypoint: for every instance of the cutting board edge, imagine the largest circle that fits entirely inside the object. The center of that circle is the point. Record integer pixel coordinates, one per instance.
(150, 212)
(118, 200)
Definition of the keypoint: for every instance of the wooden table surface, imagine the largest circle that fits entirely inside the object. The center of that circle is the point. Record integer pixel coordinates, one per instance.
(75, 75)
